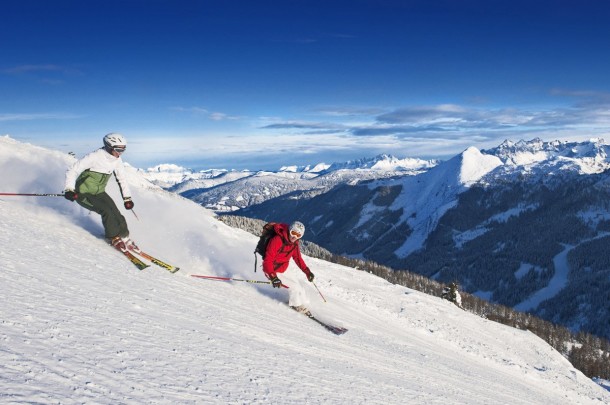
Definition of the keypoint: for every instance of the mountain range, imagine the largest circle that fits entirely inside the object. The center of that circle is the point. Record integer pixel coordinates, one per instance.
(230, 190)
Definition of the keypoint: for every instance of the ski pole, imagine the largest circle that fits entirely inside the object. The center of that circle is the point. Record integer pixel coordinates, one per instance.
(32, 195)
(134, 213)
(233, 279)
(314, 284)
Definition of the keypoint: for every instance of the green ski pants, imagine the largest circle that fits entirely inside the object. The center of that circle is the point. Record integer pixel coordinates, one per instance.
(112, 219)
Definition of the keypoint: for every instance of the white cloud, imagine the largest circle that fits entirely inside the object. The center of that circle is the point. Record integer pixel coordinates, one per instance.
(212, 115)
(41, 68)
(41, 116)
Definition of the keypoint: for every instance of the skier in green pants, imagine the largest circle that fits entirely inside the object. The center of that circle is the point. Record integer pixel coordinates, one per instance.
(86, 184)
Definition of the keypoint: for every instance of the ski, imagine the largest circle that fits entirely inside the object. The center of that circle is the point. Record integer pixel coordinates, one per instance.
(132, 256)
(160, 263)
(133, 259)
(337, 330)
(137, 262)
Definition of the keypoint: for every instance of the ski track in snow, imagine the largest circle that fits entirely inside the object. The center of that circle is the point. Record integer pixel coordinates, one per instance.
(79, 324)
(557, 282)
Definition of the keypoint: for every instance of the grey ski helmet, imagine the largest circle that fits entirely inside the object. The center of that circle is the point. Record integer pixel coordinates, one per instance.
(114, 141)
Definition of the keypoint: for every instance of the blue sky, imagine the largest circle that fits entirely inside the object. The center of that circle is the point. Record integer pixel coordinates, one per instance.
(262, 84)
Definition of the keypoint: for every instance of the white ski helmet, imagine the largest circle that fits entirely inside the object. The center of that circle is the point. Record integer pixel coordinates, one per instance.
(297, 229)
(115, 141)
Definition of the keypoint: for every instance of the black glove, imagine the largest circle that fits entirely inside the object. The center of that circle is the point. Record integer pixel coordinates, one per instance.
(128, 203)
(276, 282)
(310, 275)
(70, 195)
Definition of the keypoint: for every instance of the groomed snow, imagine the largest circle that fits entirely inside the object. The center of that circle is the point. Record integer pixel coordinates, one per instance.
(79, 324)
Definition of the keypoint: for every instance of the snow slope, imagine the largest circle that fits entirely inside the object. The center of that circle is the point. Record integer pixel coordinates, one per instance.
(79, 324)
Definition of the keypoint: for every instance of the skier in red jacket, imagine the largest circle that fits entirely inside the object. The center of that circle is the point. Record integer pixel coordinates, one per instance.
(283, 246)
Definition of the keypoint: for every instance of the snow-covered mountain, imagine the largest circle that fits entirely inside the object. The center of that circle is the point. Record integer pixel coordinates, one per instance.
(588, 157)
(524, 224)
(171, 175)
(79, 324)
(225, 190)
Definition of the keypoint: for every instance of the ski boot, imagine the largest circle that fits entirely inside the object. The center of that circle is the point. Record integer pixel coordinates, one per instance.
(131, 245)
(302, 309)
(118, 244)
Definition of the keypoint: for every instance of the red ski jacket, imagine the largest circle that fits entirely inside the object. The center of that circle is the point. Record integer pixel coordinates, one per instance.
(279, 251)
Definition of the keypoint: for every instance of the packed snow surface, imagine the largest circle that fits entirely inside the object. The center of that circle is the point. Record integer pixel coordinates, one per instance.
(80, 324)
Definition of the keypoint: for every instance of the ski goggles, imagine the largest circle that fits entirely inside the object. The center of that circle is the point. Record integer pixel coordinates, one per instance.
(295, 234)
(119, 149)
